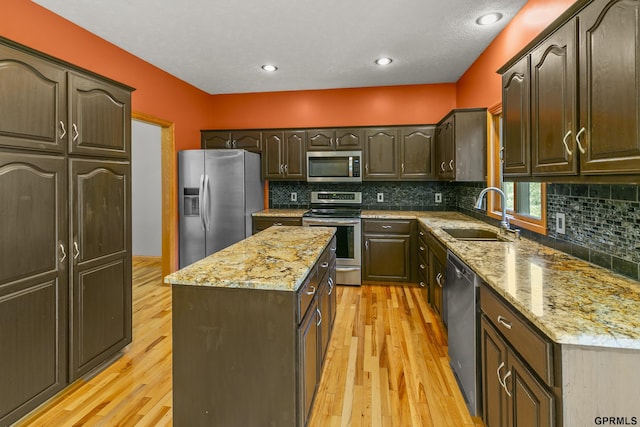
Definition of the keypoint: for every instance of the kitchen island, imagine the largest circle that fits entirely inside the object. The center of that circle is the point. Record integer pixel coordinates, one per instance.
(251, 325)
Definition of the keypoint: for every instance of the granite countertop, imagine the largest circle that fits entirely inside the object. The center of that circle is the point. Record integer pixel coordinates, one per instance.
(570, 300)
(290, 213)
(278, 258)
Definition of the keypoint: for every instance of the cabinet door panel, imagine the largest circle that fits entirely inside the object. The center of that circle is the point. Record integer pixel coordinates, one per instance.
(295, 165)
(272, 155)
(348, 139)
(247, 140)
(215, 140)
(387, 258)
(381, 154)
(493, 363)
(308, 362)
(416, 153)
(33, 281)
(101, 118)
(554, 104)
(515, 126)
(529, 404)
(320, 139)
(101, 222)
(610, 87)
(33, 103)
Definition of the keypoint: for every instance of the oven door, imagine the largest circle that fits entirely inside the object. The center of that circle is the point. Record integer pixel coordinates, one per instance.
(348, 247)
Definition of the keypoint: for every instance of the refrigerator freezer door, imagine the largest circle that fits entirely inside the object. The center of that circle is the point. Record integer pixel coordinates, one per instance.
(225, 194)
(190, 201)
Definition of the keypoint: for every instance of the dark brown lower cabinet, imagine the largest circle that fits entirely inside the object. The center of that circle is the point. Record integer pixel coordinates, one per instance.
(388, 250)
(437, 262)
(512, 395)
(101, 268)
(33, 281)
(263, 222)
(247, 357)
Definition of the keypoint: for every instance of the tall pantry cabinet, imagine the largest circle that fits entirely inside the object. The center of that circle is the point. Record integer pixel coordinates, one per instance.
(65, 228)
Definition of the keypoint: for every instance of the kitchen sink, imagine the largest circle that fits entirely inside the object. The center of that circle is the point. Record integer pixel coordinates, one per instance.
(474, 234)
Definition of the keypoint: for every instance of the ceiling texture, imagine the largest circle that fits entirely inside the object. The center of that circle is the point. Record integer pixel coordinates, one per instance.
(220, 46)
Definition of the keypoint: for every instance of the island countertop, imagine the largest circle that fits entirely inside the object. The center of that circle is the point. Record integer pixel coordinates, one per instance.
(278, 258)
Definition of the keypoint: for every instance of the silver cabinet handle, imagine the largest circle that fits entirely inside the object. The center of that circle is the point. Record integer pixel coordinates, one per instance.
(319, 316)
(504, 322)
(76, 251)
(76, 134)
(277, 223)
(438, 279)
(332, 249)
(566, 147)
(442, 166)
(504, 383)
(422, 267)
(64, 254)
(421, 284)
(311, 291)
(330, 281)
(286, 169)
(234, 143)
(64, 131)
(498, 373)
(402, 167)
(282, 168)
(421, 248)
(366, 168)
(386, 227)
(421, 233)
(451, 164)
(366, 245)
(582, 150)
(324, 264)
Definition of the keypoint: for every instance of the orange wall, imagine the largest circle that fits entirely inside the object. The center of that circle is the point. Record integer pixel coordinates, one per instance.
(480, 85)
(157, 93)
(386, 105)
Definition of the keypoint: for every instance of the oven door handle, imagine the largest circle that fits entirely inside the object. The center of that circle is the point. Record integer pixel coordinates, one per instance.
(329, 222)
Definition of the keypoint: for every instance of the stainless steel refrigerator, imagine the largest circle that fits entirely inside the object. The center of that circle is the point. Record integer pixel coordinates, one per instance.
(218, 191)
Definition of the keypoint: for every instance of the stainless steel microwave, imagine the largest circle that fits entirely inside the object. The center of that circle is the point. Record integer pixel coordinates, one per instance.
(334, 166)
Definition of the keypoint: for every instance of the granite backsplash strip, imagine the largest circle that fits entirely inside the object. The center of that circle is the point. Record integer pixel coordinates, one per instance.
(602, 221)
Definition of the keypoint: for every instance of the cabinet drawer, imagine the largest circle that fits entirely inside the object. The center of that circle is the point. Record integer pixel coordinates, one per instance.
(532, 345)
(387, 226)
(306, 293)
(423, 249)
(436, 248)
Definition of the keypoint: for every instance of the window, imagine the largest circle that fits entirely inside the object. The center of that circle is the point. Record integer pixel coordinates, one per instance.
(526, 201)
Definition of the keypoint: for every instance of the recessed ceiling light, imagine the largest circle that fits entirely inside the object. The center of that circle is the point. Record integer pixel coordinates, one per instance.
(270, 68)
(489, 18)
(384, 61)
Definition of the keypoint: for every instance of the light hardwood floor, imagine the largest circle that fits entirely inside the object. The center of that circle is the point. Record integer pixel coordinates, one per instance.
(386, 365)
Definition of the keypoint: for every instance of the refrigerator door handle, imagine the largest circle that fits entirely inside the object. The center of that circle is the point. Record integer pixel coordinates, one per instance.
(205, 215)
(201, 201)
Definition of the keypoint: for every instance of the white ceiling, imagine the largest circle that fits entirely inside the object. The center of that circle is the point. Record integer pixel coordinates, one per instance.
(219, 46)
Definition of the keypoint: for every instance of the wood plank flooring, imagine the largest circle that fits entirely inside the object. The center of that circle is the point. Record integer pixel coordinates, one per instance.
(386, 366)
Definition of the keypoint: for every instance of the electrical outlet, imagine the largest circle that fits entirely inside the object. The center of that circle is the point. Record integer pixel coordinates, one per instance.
(380, 197)
(294, 197)
(438, 197)
(560, 223)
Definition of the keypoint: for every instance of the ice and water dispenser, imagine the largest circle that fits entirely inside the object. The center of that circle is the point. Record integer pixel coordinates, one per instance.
(191, 198)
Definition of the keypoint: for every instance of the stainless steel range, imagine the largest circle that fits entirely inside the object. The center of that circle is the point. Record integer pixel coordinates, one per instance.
(340, 209)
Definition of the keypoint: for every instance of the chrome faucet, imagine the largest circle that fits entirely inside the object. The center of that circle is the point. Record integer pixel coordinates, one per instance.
(504, 224)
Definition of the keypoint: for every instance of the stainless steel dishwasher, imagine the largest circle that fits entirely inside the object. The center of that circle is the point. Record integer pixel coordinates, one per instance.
(461, 301)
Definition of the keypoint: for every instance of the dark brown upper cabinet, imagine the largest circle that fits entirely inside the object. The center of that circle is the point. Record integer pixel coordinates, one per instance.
(100, 118)
(584, 108)
(461, 145)
(250, 140)
(334, 139)
(417, 153)
(554, 104)
(516, 151)
(33, 105)
(381, 154)
(284, 155)
(608, 136)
